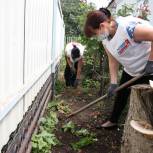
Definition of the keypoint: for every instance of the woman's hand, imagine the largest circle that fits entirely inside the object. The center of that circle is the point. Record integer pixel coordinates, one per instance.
(149, 68)
(111, 90)
(76, 83)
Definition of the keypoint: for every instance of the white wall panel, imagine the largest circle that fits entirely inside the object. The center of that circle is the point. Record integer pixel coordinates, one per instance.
(10, 122)
(38, 41)
(26, 56)
(58, 32)
(11, 46)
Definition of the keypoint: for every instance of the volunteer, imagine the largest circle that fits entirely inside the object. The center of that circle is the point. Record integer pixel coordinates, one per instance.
(74, 62)
(127, 41)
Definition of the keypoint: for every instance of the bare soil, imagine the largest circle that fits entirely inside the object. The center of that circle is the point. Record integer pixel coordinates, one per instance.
(109, 140)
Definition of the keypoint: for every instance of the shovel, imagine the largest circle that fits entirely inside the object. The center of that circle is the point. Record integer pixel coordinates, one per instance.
(105, 96)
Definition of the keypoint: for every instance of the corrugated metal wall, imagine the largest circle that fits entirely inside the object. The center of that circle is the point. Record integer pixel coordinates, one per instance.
(31, 43)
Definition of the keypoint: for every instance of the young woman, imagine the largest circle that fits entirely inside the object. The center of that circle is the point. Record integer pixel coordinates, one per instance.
(74, 61)
(128, 41)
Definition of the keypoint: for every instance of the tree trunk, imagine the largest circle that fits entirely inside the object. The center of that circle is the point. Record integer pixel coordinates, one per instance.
(141, 109)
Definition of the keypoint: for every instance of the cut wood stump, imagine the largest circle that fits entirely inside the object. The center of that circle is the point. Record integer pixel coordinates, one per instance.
(141, 110)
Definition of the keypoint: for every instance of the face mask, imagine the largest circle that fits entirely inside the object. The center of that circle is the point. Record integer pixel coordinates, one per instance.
(103, 36)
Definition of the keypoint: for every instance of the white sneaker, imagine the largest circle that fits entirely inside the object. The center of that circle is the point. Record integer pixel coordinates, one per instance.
(108, 124)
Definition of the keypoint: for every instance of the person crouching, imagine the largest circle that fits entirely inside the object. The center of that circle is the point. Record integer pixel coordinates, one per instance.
(74, 61)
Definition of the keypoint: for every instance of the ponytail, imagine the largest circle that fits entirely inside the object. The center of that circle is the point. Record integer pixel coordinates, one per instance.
(105, 11)
(74, 46)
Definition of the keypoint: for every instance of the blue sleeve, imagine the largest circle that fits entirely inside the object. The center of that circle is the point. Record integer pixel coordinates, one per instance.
(130, 28)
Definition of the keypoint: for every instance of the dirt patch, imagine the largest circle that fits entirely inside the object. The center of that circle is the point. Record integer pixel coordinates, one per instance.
(109, 141)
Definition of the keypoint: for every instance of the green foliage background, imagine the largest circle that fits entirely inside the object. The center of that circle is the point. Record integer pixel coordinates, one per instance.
(75, 12)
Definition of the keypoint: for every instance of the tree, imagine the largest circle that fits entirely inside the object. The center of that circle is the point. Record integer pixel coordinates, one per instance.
(125, 10)
(141, 112)
(74, 12)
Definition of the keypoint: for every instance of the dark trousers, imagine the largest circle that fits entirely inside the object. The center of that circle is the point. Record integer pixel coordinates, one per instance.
(122, 96)
(70, 76)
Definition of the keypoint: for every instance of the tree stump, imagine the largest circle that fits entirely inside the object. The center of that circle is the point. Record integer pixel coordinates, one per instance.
(140, 109)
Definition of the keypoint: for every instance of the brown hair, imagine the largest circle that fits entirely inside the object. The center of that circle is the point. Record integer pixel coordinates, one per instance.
(93, 21)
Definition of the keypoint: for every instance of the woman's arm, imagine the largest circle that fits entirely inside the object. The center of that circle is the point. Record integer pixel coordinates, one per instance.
(80, 64)
(113, 67)
(144, 33)
(68, 61)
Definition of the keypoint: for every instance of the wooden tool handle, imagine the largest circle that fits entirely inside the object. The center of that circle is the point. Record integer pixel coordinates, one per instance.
(103, 97)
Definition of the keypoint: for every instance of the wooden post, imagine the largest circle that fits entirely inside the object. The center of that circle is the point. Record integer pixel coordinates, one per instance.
(141, 109)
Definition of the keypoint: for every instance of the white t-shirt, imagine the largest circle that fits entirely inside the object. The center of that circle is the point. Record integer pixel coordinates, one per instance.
(69, 48)
(132, 55)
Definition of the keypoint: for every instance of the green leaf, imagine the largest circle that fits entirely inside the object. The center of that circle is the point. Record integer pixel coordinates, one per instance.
(70, 126)
(85, 141)
(42, 144)
(45, 139)
(82, 132)
(63, 108)
(52, 105)
(34, 145)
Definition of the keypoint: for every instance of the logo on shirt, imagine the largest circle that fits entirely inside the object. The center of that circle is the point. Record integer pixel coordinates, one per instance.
(123, 47)
(130, 28)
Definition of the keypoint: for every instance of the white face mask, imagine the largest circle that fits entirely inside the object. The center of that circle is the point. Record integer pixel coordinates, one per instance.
(103, 36)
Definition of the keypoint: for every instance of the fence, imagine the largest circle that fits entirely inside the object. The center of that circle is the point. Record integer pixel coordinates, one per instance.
(31, 44)
(72, 38)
